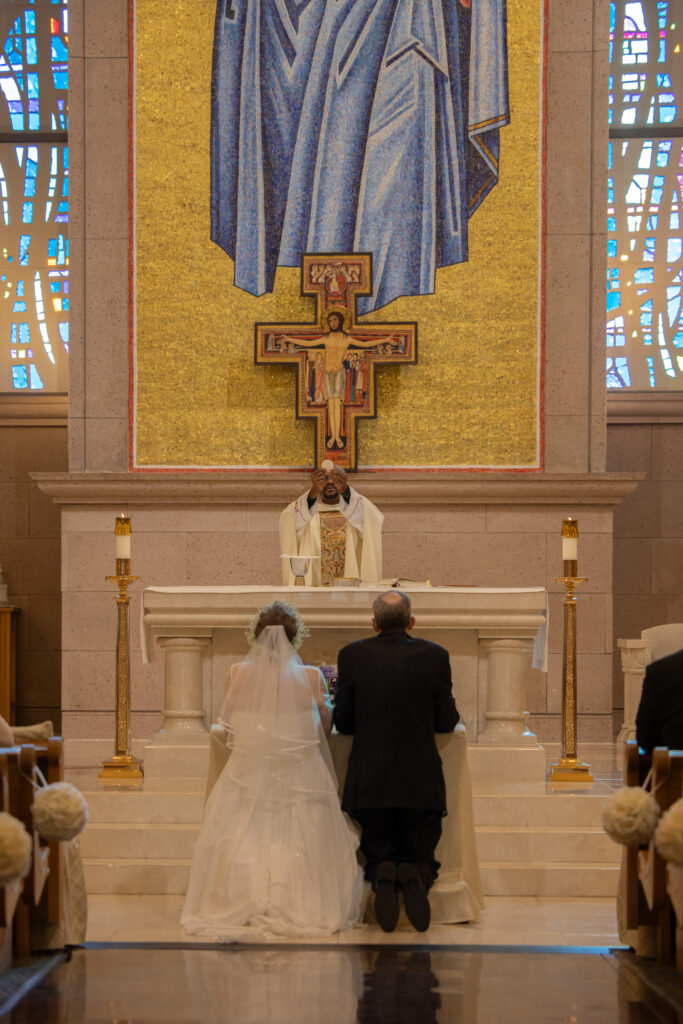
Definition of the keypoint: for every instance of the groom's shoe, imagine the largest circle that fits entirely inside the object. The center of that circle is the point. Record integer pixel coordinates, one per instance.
(386, 898)
(415, 897)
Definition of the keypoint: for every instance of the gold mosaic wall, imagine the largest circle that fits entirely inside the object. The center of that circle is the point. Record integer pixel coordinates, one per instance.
(473, 398)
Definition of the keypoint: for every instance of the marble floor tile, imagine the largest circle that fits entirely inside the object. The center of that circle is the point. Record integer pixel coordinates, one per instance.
(376, 985)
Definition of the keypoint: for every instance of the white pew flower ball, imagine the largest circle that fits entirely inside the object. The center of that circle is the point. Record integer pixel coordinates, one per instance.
(630, 816)
(15, 848)
(59, 811)
(669, 834)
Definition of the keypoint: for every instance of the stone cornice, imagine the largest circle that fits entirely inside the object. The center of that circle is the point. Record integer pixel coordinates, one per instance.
(31, 409)
(645, 407)
(388, 488)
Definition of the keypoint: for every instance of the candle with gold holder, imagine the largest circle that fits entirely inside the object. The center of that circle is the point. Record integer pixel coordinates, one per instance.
(122, 769)
(569, 768)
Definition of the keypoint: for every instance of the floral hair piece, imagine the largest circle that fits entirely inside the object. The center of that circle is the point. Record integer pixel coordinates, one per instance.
(302, 631)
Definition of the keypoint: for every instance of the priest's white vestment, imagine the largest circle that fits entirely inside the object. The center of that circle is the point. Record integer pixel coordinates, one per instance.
(300, 535)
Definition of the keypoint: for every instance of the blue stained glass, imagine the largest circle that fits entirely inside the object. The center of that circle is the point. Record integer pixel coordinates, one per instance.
(19, 377)
(17, 122)
(20, 287)
(659, 181)
(19, 307)
(61, 79)
(34, 122)
(65, 305)
(33, 105)
(651, 222)
(613, 300)
(647, 305)
(65, 287)
(32, 86)
(13, 334)
(64, 331)
(656, 196)
(30, 21)
(24, 243)
(612, 248)
(36, 382)
(667, 115)
(664, 81)
(678, 340)
(29, 187)
(647, 339)
(611, 224)
(59, 50)
(27, 213)
(644, 275)
(651, 370)
(31, 51)
(612, 16)
(54, 286)
(52, 248)
(646, 319)
(24, 335)
(674, 249)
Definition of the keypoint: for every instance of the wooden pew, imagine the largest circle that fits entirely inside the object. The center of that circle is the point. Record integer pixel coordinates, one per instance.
(667, 787)
(40, 903)
(9, 893)
(636, 767)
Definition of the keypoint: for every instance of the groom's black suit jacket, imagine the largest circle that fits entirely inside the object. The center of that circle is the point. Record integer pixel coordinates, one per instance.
(394, 692)
(659, 722)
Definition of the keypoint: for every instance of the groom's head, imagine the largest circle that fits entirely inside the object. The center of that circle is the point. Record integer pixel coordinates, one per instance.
(391, 610)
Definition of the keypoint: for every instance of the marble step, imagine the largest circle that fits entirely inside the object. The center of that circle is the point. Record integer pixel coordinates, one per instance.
(145, 806)
(138, 840)
(543, 879)
(170, 876)
(559, 810)
(136, 876)
(541, 844)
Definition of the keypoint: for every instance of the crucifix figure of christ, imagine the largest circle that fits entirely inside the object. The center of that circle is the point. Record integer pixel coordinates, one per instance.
(336, 357)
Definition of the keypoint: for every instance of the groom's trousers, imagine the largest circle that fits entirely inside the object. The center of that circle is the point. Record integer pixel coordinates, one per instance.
(400, 834)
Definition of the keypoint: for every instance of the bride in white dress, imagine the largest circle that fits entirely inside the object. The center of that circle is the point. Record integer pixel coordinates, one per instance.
(275, 856)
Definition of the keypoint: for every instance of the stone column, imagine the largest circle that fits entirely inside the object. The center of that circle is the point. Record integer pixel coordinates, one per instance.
(184, 708)
(506, 748)
(635, 657)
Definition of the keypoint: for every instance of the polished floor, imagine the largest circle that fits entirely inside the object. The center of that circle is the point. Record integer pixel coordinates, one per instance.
(307, 985)
(527, 959)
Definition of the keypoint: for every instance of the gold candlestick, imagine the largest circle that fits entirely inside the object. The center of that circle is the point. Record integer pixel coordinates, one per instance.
(569, 768)
(122, 769)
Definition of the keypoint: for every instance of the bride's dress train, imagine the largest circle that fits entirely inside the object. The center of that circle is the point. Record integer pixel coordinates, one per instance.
(275, 857)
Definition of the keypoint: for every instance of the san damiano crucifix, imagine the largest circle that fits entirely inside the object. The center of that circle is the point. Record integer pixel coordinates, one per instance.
(334, 356)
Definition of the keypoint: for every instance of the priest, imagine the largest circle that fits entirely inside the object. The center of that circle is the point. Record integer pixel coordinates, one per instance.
(334, 523)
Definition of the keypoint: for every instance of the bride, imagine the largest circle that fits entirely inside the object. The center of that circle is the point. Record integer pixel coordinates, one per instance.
(275, 855)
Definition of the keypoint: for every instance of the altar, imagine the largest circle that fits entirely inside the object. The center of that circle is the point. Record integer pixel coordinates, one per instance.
(490, 634)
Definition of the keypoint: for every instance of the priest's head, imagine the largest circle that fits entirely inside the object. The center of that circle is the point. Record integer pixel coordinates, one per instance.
(392, 610)
(328, 484)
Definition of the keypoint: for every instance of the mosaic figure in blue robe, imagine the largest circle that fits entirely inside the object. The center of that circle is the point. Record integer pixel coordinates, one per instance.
(354, 126)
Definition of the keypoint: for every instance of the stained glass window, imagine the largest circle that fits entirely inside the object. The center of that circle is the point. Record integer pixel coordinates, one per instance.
(644, 335)
(34, 196)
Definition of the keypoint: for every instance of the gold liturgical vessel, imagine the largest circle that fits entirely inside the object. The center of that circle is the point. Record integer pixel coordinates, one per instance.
(122, 769)
(569, 768)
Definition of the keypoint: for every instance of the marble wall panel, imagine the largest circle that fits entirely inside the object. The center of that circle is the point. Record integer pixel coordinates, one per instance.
(538, 519)
(89, 621)
(667, 566)
(568, 152)
(233, 559)
(87, 725)
(13, 509)
(106, 321)
(630, 448)
(106, 444)
(632, 565)
(486, 560)
(667, 449)
(106, 148)
(76, 443)
(403, 554)
(43, 514)
(449, 519)
(90, 677)
(105, 28)
(590, 623)
(567, 367)
(570, 28)
(566, 443)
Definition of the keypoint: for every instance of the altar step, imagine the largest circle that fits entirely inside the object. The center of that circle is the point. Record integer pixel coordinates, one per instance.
(538, 845)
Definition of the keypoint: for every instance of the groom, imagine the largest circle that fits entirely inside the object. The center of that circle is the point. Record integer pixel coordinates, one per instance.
(394, 692)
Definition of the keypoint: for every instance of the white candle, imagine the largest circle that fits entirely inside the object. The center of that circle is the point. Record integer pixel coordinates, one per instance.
(570, 549)
(122, 537)
(122, 545)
